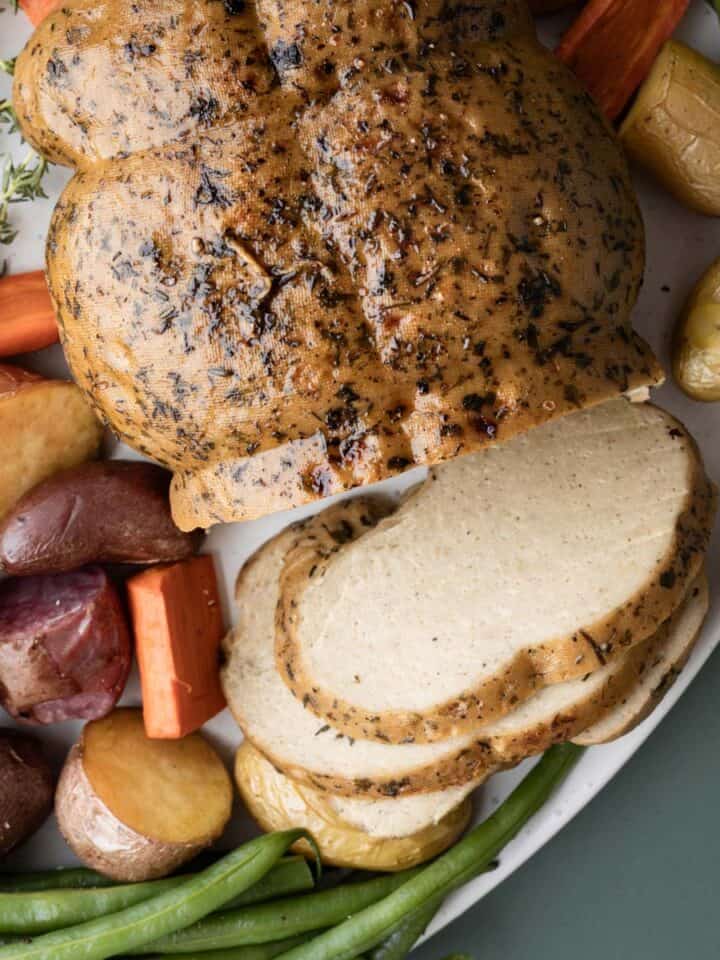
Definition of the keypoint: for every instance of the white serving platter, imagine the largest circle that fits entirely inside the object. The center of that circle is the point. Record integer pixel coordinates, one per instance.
(680, 246)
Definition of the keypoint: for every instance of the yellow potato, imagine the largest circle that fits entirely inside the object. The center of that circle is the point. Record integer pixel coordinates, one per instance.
(696, 350)
(277, 803)
(46, 426)
(673, 128)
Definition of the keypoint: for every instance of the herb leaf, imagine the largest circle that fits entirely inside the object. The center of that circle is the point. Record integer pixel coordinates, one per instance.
(7, 66)
(18, 183)
(7, 115)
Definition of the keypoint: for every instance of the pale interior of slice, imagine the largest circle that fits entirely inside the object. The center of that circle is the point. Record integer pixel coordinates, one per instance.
(301, 744)
(500, 552)
(173, 791)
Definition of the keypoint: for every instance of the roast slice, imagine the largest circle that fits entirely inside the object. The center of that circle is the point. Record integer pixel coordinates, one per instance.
(531, 563)
(315, 753)
(662, 672)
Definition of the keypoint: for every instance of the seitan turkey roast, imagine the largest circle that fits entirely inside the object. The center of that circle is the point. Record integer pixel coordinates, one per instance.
(310, 245)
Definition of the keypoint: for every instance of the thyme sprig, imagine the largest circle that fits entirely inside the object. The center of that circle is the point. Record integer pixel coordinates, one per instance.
(19, 182)
(7, 66)
(7, 116)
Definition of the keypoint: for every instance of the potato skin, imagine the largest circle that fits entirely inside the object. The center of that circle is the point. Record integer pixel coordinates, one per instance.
(64, 646)
(101, 840)
(671, 127)
(277, 802)
(26, 788)
(114, 511)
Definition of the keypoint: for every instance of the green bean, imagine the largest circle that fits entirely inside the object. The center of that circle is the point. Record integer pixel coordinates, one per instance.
(281, 918)
(467, 858)
(259, 951)
(68, 878)
(29, 914)
(33, 913)
(289, 875)
(400, 942)
(162, 914)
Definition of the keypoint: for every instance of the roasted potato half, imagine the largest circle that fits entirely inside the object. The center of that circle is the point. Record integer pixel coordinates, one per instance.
(696, 348)
(45, 425)
(276, 802)
(135, 808)
(65, 650)
(672, 127)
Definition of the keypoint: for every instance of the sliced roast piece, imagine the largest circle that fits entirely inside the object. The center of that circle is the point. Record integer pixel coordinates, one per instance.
(313, 752)
(531, 563)
(662, 672)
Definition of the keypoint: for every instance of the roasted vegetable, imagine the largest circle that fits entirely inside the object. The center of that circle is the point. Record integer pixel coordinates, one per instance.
(27, 316)
(45, 425)
(117, 933)
(612, 44)
(696, 348)
(37, 10)
(52, 907)
(673, 128)
(276, 802)
(64, 646)
(113, 511)
(338, 259)
(178, 627)
(26, 788)
(135, 808)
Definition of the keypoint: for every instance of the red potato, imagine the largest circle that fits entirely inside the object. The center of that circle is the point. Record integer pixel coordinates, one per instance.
(116, 511)
(64, 646)
(45, 426)
(26, 788)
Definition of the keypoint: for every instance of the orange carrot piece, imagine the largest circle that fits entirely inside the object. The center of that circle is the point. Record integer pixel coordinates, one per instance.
(178, 628)
(37, 10)
(613, 43)
(27, 317)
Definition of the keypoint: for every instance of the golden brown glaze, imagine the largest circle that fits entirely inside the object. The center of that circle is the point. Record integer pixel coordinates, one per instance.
(309, 246)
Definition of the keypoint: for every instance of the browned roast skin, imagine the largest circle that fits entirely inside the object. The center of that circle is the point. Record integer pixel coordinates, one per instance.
(312, 245)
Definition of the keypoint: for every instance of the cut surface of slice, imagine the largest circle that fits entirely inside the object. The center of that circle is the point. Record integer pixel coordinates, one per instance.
(663, 670)
(310, 751)
(276, 802)
(531, 563)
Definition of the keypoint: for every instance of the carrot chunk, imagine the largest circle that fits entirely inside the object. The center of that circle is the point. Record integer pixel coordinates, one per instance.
(27, 316)
(37, 10)
(178, 628)
(613, 43)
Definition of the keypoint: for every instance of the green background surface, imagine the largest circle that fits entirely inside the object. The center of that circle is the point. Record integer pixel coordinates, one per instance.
(636, 875)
